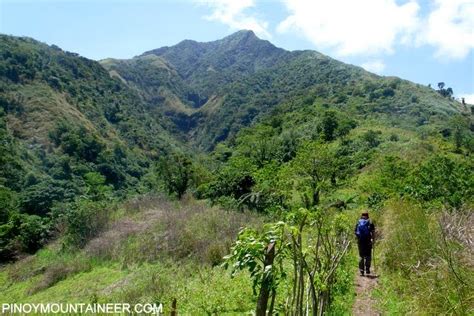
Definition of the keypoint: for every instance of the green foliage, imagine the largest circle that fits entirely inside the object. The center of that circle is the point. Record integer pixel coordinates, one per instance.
(443, 179)
(8, 231)
(78, 143)
(296, 257)
(84, 219)
(96, 188)
(19, 232)
(371, 138)
(445, 92)
(289, 129)
(329, 125)
(249, 251)
(40, 197)
(11, 169)
(8, 203)
(462, 136)
(259, 145)
(34, 232)
(316, 166)
(175, 171)
(235, 179)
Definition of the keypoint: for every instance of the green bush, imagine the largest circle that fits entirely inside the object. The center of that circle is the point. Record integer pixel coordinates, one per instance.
(443, 179)
(372, 138)
(33, 232)
(84, 220)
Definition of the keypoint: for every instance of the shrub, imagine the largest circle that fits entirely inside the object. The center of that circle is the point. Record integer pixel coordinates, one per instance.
(388, 92)
(372, 138)
(442, 179)
(329, 125)
(84, 220)
(233, 180)
(33, 232)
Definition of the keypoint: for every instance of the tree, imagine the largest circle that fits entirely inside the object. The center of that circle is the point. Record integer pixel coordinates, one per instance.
(259, 144)
(11, 170)
(307, 248)
(372, 138)
(96, 187)
(315, 164)
(461, 134)
(175, 171)
(445, 92)
(345, 126)
(329, 125)
(38, 199)
(235, 179)
(443, 179)
(449, 92)
(261, 254)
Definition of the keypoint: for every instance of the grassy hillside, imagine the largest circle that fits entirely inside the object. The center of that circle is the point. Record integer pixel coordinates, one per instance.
(135, 259)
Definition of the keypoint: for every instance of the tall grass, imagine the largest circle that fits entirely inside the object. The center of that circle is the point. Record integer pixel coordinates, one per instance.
(427, 259)
(165, 250)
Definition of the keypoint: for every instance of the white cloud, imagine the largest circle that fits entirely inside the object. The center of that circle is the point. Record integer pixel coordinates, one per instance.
(367, 27)
(450, 28)
(469, 98)
(376, 66)
(361, 27)
(232, 13)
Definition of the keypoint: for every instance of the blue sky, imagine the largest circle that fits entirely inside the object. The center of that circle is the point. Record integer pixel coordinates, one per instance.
(425, 41)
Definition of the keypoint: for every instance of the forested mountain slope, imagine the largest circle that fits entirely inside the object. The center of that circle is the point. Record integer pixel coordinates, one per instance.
(211, 90)
(64, 119)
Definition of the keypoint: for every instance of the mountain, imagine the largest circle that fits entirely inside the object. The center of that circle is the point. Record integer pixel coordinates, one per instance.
(207, 67)
(64, 119)
(286, 147)
(42, 85)
(210, 90)
(60, 110)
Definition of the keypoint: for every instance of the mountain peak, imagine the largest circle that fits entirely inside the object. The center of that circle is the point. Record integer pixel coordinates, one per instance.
(242, 34)
(242, 37)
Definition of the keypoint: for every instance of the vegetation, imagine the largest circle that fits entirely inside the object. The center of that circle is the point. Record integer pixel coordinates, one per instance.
(265, 159)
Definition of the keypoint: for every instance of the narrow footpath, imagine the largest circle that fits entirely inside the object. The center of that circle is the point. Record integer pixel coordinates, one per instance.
(364, 303)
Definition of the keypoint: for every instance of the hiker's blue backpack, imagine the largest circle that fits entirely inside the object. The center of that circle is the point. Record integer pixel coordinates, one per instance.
(363, 229)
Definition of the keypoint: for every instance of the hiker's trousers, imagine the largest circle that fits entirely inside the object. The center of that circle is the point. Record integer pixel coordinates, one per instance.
(365, 254)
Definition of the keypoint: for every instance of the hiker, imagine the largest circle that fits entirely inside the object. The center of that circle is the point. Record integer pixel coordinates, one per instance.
(365, 233)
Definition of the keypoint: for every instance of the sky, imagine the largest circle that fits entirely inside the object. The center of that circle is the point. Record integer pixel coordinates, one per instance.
(425, 41)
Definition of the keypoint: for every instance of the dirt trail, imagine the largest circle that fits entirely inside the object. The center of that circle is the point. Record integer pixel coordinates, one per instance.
(364, 303)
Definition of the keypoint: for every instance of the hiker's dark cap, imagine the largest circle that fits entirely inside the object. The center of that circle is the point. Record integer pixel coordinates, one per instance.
(365, 214)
